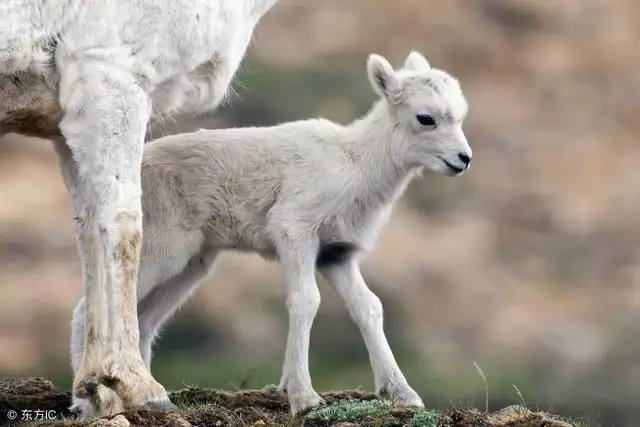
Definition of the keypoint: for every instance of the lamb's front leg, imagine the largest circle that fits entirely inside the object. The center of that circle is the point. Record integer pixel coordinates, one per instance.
(105, 119)
(303, 300)
(366, 310)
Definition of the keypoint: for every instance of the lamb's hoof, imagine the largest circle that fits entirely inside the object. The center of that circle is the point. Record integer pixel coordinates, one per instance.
(402, 394)
(301, 404)
(161, 405)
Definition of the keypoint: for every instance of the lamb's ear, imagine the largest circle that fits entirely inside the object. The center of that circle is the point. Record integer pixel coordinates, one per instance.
(381, 75)
(417, 62)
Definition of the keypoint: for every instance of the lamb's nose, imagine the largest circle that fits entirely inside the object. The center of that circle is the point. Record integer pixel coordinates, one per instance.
(465, 158)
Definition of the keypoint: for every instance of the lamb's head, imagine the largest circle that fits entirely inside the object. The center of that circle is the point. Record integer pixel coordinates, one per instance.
(427, 107)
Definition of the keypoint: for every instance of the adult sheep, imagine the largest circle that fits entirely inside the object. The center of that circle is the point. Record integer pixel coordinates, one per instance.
(90, 75)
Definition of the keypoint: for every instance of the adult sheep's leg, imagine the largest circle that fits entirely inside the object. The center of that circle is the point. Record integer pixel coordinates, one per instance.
(153, 311)
(106, 115)
(77, 188)
(109, 400)
(72, 181)
(303, 301)
(366, 310)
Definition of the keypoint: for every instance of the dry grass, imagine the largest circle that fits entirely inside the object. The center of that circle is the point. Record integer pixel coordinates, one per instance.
(267, 407)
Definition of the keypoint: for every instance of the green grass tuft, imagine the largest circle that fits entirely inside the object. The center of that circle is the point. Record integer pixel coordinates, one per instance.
(270, 387)
(425, 419)
(347, 411)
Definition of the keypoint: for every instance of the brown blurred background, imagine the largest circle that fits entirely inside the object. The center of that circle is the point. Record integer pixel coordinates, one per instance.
(529, 264)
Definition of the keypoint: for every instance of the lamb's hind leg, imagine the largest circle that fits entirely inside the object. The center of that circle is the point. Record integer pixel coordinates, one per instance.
(165, 299)
(303, 299)
(366, 310)
(106, 115)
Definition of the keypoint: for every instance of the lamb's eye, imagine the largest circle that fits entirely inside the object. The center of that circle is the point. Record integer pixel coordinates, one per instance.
(426, 120)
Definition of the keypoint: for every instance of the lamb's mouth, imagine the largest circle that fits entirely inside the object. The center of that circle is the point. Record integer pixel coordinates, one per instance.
(453, 168)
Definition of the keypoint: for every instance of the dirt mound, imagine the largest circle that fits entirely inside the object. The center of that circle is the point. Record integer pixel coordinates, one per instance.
(22, 400)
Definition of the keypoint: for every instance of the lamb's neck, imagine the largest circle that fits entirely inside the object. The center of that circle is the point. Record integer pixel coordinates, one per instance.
(374, 143)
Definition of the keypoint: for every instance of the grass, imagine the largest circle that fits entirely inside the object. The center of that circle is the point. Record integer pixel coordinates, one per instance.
(363, 411)
(486, 385)
(269, 407)
(425, 418)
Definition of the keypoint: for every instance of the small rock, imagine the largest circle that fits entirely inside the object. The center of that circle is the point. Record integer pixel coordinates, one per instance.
(259, 423)
(117, 421)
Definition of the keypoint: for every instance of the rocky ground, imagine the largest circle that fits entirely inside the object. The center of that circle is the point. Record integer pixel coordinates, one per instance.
(22, 397)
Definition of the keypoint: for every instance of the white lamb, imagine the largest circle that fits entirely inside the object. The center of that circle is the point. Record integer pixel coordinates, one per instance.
(313, 194)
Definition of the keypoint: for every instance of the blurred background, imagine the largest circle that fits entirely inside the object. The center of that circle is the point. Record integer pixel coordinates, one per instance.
(529, 264)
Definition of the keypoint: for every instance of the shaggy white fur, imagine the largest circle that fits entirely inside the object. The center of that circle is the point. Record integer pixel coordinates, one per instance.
(91, 75)
(313, 194)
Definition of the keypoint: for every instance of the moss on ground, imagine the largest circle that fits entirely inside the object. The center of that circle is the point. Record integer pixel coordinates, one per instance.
(265, 407)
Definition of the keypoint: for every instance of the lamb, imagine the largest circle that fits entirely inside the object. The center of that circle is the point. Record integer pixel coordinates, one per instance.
(91, 75)
(312, 194)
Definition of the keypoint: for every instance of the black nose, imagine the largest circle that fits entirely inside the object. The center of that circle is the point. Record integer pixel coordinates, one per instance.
(465, 159)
